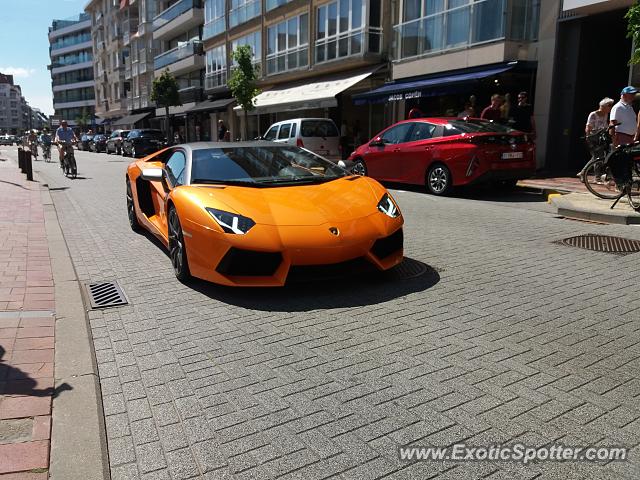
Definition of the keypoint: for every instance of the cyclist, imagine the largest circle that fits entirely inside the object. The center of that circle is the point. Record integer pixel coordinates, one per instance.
(46, 143)
(33, 143)
(64, 135)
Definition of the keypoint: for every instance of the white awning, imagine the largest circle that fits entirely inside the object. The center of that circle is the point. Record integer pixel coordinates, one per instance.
(302, 96)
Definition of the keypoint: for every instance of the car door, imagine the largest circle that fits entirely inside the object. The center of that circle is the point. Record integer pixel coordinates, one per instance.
(283, 133)
(174, 172)
(111, 141)
(383, 155)
(417, 152)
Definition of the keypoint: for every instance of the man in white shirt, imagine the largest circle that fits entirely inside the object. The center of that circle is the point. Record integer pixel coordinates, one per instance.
(623, 117)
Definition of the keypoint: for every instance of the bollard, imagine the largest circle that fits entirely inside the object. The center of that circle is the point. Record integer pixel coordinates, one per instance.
(28, 166)
(21, 159)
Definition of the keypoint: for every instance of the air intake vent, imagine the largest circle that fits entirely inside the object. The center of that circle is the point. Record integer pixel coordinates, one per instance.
(105, 295)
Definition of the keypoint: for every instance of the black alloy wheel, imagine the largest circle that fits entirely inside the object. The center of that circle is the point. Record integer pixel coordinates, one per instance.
(177, 250)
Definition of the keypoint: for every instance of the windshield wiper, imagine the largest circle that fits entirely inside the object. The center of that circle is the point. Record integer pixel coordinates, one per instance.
(296, 180)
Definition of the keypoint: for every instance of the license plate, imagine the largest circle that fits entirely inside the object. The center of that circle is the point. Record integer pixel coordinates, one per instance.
(510, 155)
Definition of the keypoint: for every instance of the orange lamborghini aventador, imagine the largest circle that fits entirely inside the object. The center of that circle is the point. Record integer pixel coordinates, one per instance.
(247, 214)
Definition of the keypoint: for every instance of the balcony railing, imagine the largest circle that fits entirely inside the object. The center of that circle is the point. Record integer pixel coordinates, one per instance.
(356, 42)
(190, 94)
(174, 11)
(244, 12)
(180, 52)
(213, 27)
(475, 23)
(215, 79)
(288, 60)
(129, 28)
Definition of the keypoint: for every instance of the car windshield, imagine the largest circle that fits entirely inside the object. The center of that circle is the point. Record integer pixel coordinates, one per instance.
(261, 166)
(456, 127)
(154, 134)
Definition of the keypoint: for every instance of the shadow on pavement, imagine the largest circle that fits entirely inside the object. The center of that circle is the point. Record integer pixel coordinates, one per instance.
(17, 382)
(367, 288)
(485, 193)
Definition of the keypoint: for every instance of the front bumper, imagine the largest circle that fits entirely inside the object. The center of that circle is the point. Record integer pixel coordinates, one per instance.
(265, 256)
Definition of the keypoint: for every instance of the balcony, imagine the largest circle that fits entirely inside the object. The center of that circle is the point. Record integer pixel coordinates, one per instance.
(178, 18)
(244, 13)
(287, 60)
(214, 80)
(182, 59)
(354, 43)
(190, 94)
(129, 29)
(473, 24)
(127, 68)
(213, 28)
(63, 48)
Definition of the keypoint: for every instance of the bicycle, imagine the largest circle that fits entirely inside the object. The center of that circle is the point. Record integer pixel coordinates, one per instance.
(46, 152)
(596, 176)
(624, 165)
(69, 167)
(34, 150)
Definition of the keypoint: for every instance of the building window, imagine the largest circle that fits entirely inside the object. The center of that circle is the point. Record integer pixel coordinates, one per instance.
(341, 30)
(435, 25)
(243, 11)
(254, 40)
(271, 4)
(288, 45)
(216, 75)
(213, 18)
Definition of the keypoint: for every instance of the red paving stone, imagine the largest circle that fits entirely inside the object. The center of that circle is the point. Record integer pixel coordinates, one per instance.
(26, 284)
(18, 457)
(23, 407)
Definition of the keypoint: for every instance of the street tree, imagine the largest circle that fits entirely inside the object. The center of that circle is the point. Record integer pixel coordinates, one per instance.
(633, 31)
(164, 92)
(83, 119)
(243, 83)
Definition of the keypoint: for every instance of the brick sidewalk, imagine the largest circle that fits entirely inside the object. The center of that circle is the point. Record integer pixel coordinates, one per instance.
(26, 329)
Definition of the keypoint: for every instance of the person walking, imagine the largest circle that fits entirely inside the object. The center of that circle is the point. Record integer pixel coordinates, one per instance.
(492, 112)
(623, 117)
(597, 120)
(522, 115)
(222, 131)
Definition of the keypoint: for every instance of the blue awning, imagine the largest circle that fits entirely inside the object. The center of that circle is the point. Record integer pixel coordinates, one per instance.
(427, 87)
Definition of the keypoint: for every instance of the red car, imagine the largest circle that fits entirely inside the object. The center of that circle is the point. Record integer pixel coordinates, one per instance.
(441, 153)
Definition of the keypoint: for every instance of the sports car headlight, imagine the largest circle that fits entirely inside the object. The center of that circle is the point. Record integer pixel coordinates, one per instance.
(387, 206)
(231, 222)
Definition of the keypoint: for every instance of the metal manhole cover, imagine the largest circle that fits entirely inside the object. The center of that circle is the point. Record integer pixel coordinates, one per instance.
(105, 295)
(603, 243)
(409, 268)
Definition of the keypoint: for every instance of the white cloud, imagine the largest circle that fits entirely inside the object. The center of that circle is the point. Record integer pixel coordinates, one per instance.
(18, 72)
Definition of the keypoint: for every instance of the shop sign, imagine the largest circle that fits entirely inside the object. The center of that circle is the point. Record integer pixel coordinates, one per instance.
(396, 97)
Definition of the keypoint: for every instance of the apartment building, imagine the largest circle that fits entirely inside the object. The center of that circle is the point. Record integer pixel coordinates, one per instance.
(109, 57)
(72, 78)
(312, 57)
(12, 115)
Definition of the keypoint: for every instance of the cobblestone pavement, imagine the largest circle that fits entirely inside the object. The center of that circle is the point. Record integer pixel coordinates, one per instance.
(508, 337)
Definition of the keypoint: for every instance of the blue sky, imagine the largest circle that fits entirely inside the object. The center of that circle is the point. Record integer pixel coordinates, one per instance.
(24, 44)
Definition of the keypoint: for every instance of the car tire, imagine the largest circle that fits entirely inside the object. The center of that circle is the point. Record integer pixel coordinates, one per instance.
(359, 167)
(177, 250)
(133, 152)
(438, 180)
(131, 209)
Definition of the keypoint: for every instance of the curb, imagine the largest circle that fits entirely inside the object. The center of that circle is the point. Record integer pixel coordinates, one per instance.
(78, 434)
(566, 209)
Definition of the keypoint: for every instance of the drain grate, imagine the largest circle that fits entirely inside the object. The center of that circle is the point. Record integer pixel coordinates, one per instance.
(603, 243)
(105, 295)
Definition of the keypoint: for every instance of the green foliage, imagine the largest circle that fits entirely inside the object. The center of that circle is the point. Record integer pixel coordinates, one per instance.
(83, 119)
(633, 31)
(242, 82)
(164, 91)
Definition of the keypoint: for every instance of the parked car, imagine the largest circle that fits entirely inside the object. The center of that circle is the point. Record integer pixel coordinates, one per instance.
(85, 139)
(114, 142)
(442, 153)
(98, 143)
(319, 135)
(7, 140)
(141, 142)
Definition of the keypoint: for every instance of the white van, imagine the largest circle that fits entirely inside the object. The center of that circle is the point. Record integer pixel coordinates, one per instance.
(320, 135)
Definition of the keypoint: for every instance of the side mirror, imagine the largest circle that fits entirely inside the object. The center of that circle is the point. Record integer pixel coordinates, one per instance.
(152, 174)
(377, 142)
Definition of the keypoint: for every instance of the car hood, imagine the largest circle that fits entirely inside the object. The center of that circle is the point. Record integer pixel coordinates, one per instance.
(336, 201)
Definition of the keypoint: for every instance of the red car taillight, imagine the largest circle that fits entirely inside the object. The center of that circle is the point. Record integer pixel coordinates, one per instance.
(299, 143)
